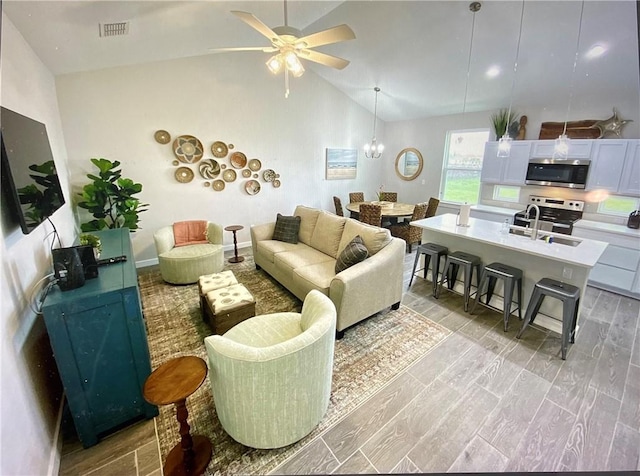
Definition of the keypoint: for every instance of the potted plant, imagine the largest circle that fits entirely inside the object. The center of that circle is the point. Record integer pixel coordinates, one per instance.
(110, 198)
(94, 241)
(504, 119)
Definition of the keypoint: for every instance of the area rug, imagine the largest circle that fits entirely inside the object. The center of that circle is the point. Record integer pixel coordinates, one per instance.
(370, 355)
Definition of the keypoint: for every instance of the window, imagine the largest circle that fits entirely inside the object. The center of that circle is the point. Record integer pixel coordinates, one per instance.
(618, 205)
(462, 165)
(506, 193)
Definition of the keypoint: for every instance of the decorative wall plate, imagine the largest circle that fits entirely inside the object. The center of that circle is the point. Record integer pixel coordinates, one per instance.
(255, 176)
(252, 187)
(219, 149)
(218, 185)
(255, 165)
(184, 174)
(229, 175)
(207, 184)
(238, 160)
(276, 183)
(209, 168)
(246, 173)
(187, 149)
(163, 137)
(268, 175)
(223, 166)
(231, 146)
(176, 162)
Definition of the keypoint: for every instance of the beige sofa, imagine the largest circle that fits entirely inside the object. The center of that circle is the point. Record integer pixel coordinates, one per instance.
(357, 292)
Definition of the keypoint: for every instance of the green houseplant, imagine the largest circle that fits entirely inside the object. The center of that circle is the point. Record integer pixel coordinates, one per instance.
(94, 241)
(110, 198)
(503, 119)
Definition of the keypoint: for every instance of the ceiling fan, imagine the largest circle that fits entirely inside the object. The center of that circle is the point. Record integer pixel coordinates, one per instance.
(289, 46)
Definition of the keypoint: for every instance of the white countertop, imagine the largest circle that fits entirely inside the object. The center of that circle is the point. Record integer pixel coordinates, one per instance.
(507, 212)
(585, 254)
(608, 227)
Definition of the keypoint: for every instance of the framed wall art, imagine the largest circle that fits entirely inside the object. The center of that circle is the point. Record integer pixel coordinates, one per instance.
(341, 164)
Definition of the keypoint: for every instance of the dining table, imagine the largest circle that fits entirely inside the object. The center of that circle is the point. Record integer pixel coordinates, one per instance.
(389, 209)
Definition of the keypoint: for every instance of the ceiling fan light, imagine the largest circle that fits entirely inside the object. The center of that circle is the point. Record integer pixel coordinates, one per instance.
(274, 64)
(504, 146)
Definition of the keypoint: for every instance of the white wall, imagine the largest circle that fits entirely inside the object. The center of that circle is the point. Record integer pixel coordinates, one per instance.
(29, 399)
(113, 113)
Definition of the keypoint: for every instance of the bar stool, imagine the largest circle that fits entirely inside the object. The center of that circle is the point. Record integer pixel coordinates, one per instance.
(454, 261)
(512, 277)
(430, 250)
(570, 297)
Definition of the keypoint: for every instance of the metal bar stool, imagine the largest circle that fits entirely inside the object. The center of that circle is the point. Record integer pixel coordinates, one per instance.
(429, 250)
(454, 261)
(512, 277)
(570, 297)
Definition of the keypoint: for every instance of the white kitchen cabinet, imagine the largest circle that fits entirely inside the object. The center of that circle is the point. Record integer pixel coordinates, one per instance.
(578, 149)
(507, 170)
(630, 181)
(607, 164)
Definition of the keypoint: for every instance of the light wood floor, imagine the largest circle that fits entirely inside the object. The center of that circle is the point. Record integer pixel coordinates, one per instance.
(481, 401)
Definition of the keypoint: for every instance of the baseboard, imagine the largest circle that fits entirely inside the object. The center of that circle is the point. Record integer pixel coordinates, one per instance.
(56, 448)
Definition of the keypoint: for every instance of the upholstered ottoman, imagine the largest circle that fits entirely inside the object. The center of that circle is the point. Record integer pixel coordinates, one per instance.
(211, 282)
(226, 307)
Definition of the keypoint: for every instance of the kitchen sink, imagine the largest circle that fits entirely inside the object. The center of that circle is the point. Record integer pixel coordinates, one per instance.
(519, 230)
(561, 240)
(543, 234)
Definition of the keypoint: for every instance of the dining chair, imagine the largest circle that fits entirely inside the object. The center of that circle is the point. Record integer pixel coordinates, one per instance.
(371, 214)
(432, 207)
(409, 233)
(338, 204)
(389, 196)
(356, 197)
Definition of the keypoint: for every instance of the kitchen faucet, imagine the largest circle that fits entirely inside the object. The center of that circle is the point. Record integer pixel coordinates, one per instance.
(534, 231)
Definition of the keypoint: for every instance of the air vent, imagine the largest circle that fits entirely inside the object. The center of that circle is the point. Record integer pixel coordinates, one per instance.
(114, 29)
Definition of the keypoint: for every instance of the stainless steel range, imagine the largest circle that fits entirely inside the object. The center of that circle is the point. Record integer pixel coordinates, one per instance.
(556, 214)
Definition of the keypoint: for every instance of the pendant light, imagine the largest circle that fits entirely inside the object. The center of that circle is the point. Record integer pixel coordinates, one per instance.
(373, 150)
(474, 7)
(504, 144)
(561, 148)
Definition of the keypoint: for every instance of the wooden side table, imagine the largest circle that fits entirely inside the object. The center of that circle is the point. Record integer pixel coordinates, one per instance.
(173, 382)
(234, 229)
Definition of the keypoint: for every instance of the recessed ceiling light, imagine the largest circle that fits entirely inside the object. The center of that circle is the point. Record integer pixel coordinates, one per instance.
(595, 51)
(493, 72)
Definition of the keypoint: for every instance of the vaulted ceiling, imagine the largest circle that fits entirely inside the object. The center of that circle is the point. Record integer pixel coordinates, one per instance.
(417, 52)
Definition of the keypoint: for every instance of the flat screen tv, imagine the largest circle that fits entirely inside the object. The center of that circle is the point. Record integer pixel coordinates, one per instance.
(29, 178)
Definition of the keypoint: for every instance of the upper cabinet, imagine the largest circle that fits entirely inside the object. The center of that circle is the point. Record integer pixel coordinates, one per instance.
(508, 170)
(615, 163)
(606, 165)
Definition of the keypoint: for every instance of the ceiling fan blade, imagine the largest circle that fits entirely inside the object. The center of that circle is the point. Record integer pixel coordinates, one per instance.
(327, 37)
(257, 25)
(323, 58)
(264, 49)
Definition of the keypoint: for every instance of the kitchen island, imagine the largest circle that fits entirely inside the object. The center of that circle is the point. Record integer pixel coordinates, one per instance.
(536, 258)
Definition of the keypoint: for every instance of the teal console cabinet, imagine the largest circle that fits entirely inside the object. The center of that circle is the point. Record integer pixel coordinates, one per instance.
(99, 341)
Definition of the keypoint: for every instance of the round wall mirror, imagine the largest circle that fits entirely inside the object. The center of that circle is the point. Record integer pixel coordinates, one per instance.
(409, 163)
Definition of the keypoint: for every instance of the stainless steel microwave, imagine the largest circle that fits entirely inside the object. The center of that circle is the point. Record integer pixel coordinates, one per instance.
(568, 173)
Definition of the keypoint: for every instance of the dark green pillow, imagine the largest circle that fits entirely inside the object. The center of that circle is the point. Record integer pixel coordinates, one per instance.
(352, 254)
(287, 229)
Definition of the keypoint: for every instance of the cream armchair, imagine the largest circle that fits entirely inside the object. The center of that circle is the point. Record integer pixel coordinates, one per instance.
(271, 374)
(185, 264)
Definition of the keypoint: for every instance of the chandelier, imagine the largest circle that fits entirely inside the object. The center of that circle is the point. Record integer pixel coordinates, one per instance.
(373, 150)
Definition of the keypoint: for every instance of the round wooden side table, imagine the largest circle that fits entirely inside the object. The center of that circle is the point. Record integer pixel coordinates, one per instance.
(235, 258)
(172, 383)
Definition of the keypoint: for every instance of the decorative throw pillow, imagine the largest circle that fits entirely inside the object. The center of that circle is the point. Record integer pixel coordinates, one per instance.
(193, 232)
(287, 229)
(352, 254)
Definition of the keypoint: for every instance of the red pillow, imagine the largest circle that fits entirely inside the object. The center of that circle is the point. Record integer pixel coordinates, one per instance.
(192, 232)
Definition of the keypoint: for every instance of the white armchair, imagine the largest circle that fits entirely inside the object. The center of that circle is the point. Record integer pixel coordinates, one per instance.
(271, 374)
(185, 264)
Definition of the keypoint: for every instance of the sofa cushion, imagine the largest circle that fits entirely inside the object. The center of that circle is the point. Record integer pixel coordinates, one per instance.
(374, 238)
(327, 233)
(308, 218)
(352, 254)
(316, 276)
(189, 252)
(301, 256)
(192, 232)
(286, 229)
(269, 248)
